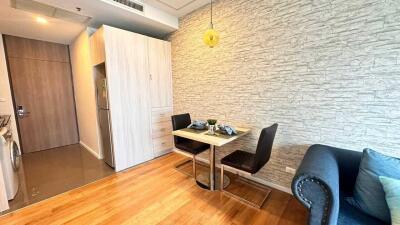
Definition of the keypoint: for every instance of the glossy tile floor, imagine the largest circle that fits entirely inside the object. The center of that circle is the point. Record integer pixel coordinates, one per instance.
(51, 172)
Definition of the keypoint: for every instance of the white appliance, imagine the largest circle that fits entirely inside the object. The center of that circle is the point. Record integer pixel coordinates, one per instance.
(10, 159)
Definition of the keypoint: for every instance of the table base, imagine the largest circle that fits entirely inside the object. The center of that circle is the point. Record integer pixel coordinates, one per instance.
(203, 174)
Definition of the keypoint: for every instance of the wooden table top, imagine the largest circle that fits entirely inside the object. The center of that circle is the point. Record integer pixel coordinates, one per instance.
(203, 136)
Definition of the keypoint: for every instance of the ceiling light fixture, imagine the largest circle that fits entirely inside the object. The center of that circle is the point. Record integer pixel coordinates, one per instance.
(48, 12)
(211, 36)
(41, 20)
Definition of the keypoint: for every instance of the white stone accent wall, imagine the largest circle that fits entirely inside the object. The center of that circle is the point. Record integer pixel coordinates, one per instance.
(328, 71)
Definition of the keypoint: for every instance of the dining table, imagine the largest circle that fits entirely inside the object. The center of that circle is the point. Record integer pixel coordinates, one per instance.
(214, 140)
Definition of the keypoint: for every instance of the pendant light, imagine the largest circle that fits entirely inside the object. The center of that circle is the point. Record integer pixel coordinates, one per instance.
(211, 36)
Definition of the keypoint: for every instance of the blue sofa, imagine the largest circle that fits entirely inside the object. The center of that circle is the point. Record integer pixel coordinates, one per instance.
(324, 179)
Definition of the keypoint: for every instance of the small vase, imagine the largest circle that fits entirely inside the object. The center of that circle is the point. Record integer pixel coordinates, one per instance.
(211, 129)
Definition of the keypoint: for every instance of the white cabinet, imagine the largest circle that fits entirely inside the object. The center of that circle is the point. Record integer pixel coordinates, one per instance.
(97, 47)
(139, 77)
(161, 95)
(161, 73)
(161, 131)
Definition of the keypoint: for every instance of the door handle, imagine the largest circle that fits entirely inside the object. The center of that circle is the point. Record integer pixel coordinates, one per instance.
(21, 113)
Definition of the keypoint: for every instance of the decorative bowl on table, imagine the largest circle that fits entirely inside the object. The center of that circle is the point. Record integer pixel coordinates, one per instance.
(198, 125)
(227, 130)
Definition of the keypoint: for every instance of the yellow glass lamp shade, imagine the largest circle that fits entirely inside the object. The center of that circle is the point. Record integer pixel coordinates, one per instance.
(211, 37)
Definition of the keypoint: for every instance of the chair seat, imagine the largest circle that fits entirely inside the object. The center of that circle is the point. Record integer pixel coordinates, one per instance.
(192, 147)
(240, 160)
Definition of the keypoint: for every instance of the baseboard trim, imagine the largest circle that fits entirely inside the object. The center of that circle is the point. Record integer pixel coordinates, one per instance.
(270, 184)
(159, 154)
(252, 178)
(93, 152)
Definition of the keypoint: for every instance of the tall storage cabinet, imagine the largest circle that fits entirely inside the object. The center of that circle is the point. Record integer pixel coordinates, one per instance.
(161, 73)
(161, 94)
(138, 73)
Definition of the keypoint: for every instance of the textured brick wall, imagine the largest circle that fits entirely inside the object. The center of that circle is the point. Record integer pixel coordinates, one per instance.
(328, 71)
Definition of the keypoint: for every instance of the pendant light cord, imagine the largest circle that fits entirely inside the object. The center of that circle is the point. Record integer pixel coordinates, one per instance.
(212, 25)
(211, 11)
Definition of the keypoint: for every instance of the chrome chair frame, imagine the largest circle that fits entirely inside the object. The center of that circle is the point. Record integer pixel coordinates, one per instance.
(192, 158)
(251, 162)
(249, 181)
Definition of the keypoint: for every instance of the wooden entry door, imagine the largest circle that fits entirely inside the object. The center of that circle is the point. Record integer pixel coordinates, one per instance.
(42, 87)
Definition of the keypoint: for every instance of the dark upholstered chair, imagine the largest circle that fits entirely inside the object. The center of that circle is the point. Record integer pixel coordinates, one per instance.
(248, 162)
(325, 178)
(186, 146)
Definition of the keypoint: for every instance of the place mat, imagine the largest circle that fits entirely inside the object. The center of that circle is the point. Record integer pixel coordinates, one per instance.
(225, 136)
(194, 131)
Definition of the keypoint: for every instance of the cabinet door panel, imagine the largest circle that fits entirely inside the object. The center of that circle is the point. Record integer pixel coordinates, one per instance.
(161, 115)
(162, 144)
(97, 47)
(162, 129)
(161, 73)
(129, 96)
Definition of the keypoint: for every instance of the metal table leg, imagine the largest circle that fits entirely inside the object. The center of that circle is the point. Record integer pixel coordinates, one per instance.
(212, 176)
(212, 167)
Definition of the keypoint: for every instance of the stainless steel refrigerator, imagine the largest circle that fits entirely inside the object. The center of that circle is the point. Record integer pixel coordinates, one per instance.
(104, 121)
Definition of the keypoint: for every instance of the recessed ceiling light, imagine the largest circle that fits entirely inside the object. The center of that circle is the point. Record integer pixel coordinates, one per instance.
(48, 12)
(41, 20)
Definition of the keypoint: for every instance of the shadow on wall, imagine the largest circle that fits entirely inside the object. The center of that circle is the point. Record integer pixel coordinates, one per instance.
(282, 156)
(274, 171)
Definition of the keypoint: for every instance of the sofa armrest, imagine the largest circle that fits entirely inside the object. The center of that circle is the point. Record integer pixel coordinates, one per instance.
(316, 185)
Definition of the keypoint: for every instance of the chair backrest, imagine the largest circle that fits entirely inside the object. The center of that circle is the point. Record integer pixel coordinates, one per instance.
(264, 146)
(179, 122)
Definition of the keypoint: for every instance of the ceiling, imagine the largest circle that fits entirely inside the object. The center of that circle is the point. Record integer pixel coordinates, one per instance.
(178, 8)
(21, 23)
(159, 18)
(153, 21)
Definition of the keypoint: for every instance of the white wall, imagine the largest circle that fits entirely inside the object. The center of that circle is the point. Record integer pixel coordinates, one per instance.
(85, 97)
(6, 104)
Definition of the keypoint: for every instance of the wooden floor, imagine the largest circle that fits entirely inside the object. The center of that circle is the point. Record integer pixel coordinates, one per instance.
(155, 193)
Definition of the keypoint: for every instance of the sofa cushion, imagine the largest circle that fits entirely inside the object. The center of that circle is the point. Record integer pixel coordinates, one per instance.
(392, 191)
(369, 195)
(348, 214)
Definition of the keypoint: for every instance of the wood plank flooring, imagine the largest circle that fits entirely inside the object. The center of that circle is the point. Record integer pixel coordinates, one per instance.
(155, 193)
